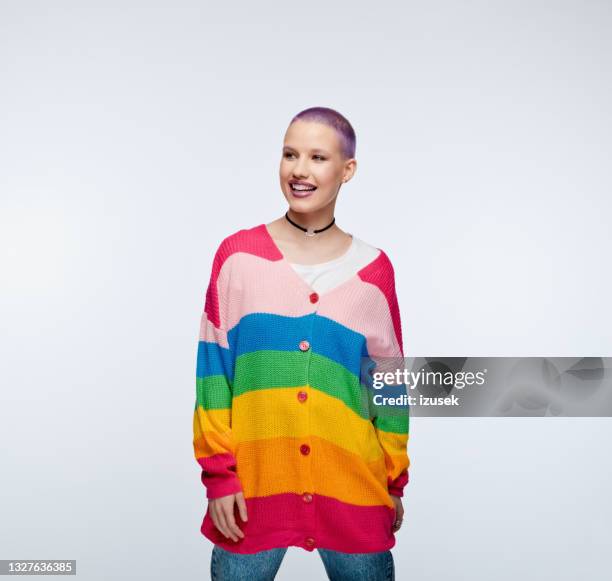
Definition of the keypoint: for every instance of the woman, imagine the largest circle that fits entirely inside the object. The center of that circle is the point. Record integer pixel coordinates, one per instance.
(294, 450)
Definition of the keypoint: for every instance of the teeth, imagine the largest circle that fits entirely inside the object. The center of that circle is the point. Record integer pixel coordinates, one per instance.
(301, 187)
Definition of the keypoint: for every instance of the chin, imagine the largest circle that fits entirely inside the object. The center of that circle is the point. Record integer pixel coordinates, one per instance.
(303, 208)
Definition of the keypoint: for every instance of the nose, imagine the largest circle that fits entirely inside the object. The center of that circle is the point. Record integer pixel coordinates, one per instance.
(300, 169)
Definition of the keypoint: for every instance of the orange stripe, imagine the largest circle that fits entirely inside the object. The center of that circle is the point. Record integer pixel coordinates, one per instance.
(275, 466)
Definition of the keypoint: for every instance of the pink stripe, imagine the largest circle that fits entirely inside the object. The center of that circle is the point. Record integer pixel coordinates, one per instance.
(273, 290)
(375, 322)
(212, 334)
(381, 273)
(253, 250)
(286, 520)
(252, 240)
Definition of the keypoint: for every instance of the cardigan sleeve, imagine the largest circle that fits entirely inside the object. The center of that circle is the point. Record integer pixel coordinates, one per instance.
(391, 422)
(213, 443)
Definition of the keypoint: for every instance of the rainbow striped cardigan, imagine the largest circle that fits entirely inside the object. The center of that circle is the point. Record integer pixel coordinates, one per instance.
(280, 410)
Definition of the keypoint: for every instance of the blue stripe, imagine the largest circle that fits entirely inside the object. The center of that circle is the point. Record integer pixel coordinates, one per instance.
(265, 331)
(214, 360)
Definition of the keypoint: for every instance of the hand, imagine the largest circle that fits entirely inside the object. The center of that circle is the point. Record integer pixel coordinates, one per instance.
(222, 514)
(399, 513)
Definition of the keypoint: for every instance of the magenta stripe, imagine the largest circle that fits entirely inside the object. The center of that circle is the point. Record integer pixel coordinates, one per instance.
(396, 487)
(286, 520)
(219, 475)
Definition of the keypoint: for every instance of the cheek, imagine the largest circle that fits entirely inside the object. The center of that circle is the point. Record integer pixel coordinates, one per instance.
(326, 177)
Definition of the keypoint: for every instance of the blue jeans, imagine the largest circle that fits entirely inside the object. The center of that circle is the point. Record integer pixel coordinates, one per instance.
(263, 566)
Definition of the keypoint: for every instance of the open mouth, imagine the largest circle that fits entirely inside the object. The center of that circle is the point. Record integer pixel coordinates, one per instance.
(301, 191)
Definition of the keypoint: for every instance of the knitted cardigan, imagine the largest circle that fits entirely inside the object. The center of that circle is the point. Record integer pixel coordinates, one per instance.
(281, 411)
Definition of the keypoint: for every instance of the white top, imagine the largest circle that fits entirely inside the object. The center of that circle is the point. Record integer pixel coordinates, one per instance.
(325, 276)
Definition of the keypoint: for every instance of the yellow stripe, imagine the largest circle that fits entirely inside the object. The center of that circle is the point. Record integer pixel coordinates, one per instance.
(392, 442)
(210, 432)
(395, 446)
(277, 413)
(267, 428)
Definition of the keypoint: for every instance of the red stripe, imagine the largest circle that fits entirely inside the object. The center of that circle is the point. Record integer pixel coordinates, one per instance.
(286, 520)
(396, 487)
(219, 475)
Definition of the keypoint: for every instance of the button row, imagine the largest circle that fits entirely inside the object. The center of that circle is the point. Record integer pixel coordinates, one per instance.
(305, 448)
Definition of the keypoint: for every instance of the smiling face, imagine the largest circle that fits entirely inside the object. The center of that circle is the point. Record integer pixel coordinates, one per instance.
(312, 158)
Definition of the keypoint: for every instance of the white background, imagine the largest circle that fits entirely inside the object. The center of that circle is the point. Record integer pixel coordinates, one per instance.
(134, 136)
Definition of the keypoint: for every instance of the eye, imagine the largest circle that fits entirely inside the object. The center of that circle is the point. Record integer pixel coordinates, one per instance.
(320, 157)
(288, 153)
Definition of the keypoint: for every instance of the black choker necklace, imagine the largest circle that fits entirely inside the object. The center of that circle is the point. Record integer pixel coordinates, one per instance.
(309, 231)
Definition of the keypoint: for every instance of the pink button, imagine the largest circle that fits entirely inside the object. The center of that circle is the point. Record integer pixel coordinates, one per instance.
(307, 497)
(310, 542)
(314, 297)
(304, 345)
(305, 449)
(302, 395)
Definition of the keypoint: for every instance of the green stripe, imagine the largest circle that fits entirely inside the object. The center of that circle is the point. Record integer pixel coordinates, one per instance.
(396, 423)
(275, 369)
(267, 369)
(213, 392)
(391, 418)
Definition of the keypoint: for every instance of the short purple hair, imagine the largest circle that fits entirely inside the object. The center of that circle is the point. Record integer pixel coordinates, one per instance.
(336, 121)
